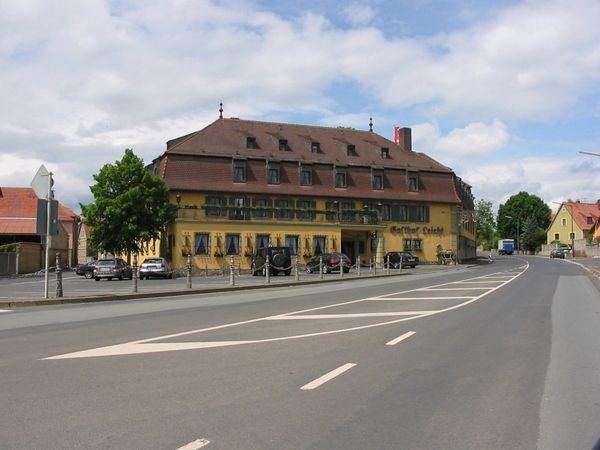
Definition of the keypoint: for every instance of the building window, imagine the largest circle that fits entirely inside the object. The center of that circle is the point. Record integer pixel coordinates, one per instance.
(239, 211)
(340, 177)
(263, 208)
(214, 206)
(410, 213)
(201, 244)
(251, 142)
(557, 236)
(283, 145)
(377, 179)
(239, 171)
(571, 236)
(306, 178)
(319, 243)
(232, 244)
(348, 213)
(291, 241)
(262, 240)
(590, 220)
(564, 222)
(412, 244)
(274, 173)
(283, 209)
(306, 206)
(315, 147)
(351, 150)
(385, 152)
(413, 182)
(386, 212)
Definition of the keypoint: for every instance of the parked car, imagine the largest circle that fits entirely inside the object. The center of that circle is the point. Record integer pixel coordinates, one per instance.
(112, 268)
(87, 269)
(557, 253)
(155, 267)
(280, 260)
(331, 263)
(408, 260)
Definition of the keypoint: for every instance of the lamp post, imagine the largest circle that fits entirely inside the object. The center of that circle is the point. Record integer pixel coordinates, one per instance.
(518, 232)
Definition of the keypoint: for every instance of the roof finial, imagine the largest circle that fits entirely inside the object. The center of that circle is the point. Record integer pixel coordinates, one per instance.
(221, 110)
(371, 123)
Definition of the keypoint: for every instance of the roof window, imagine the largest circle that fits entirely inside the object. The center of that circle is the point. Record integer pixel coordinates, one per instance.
(251, 142)
(283, 144)
(315, 147)
(385, 152)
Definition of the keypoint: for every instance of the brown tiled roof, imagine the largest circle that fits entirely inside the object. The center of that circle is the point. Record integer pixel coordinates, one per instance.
(18, 211)
(581, 211)
(225, 139)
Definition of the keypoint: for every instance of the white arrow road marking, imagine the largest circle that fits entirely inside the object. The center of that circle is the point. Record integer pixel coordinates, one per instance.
(195, 445)
(327, 377)
(151, 346)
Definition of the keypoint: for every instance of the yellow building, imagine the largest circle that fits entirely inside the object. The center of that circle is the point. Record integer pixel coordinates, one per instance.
(240, 185)
(574, 221)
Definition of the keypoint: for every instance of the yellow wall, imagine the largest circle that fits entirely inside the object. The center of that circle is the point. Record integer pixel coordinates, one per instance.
(564, 230)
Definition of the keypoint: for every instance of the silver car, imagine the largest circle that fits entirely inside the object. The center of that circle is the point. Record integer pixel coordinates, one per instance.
(155, 267)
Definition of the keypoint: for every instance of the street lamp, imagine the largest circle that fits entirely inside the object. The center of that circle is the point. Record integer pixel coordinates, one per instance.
(518, 231)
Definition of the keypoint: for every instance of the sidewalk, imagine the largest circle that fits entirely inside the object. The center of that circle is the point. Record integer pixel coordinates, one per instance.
(123, 290)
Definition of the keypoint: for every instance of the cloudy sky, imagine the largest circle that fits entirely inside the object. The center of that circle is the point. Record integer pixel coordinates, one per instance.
(505, 92)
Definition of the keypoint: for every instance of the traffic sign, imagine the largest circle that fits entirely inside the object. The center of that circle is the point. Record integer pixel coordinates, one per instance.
(40, 182)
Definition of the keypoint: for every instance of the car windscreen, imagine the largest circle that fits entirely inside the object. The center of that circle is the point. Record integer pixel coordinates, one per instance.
(107, 262)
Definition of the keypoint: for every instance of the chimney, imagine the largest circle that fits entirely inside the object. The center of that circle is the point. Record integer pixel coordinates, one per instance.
(402, 137)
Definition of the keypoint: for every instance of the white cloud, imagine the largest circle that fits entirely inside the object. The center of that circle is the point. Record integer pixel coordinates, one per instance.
(474, 140)
(359, 14)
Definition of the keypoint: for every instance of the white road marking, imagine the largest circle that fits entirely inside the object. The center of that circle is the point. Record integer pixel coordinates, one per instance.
(142, 346)
(455, 289)
(344, 316)
(195, 445)
(476, 282)
(380, 299)
(327, 377)
(401, 338)
(5, 310)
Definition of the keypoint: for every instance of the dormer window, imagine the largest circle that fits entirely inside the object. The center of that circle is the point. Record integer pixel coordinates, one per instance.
(590, 220)
(274, 173)
(239, 171)
(283, 145)
(306, 176)
(341, 177)
(412, 182)
(251, 142)
(385, 152)
(351, 150)
(315, 147)
(377, 179)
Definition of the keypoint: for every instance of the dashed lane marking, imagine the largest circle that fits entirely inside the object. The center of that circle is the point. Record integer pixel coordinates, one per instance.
(195, 445)
(401, 338)
(347, 316)
(327, 377)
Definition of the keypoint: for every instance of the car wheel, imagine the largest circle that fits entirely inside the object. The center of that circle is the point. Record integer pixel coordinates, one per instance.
(109, 278)
(97, 278)
(288, 272)
(141, 277)
(88, 275)
(120, 277)
(413, 266)
(278, 259)
(309, 270)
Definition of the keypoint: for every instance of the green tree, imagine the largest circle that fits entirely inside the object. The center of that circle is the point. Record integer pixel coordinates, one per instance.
(131, 206)
(523, 210)
(486, 225)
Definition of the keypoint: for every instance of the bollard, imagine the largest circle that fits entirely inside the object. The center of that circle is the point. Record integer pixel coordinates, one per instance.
(297, 268)
(134, 274)
(374, 266)
(388, 264)
(267, 270)
(59, 287)
(341, 267)
(358, 265)
(189, 271)
(321, 268)
(400, 263)
(205, 269)
(231, 274)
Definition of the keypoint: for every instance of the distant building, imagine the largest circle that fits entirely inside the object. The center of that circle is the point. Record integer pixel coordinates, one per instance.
(242, 184)
(573, 221)
(18, 224)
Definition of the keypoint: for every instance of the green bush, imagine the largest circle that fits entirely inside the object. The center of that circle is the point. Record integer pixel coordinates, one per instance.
(8, 248)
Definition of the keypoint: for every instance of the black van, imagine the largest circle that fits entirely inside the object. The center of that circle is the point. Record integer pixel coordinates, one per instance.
(280, 260)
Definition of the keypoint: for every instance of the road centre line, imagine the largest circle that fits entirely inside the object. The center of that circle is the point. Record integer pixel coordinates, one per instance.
(195, 445)
(142, 346)
(327, 377)
(476, 282)
(345, 316)
(401, 338)
(456, 289)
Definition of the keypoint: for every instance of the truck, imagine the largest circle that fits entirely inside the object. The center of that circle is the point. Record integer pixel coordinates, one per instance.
(506, 246)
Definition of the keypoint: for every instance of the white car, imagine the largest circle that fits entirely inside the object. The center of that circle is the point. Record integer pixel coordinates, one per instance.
(155, 267)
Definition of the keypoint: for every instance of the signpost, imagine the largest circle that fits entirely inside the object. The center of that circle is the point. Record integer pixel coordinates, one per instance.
(42, 186)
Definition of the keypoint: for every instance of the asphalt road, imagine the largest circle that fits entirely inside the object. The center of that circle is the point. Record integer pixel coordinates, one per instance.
(499, 356)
